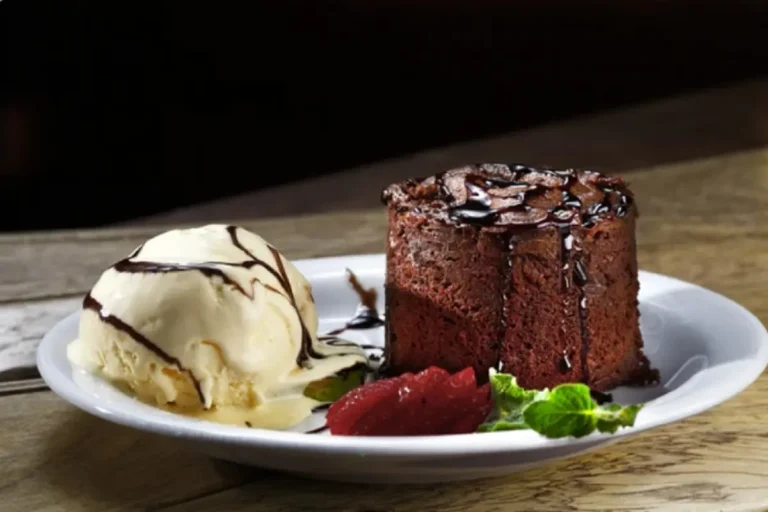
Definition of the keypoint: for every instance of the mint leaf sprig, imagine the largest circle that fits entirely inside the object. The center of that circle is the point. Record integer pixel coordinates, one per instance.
(566, 410)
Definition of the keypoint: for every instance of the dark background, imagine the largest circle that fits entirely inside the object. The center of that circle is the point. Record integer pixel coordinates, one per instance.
(110, 111)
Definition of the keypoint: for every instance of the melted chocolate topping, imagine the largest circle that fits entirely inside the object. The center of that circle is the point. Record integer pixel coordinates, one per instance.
(366, 317)
(581, 278)
(317, 430)
(322, 407)
(94, 305)
(307, 348)
(569, 212)
(524, 185)
(207, 268)
(511, 197)
(210, 269)
(600, 397)
(338, 342)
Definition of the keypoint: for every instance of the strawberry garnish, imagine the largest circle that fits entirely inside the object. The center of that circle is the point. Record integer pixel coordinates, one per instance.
(346, 411)
(432, 402)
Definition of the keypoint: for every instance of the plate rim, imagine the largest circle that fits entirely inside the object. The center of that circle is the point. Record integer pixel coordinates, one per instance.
(179, 426)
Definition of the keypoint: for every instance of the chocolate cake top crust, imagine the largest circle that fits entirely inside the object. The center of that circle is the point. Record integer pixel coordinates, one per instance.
(531, 269)
(507, 196)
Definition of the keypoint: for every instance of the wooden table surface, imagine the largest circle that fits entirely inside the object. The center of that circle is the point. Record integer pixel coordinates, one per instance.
(680, 128)
(705, 221)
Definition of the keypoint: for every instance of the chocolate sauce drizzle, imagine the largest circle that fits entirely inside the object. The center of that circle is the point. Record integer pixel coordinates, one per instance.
(307, 349)
(440, 181)
(322, 407)
(209, 269)
(317, 430)
(94, 305)
(338, 342)
(477, 209)
(581, 279)
(600, 397)
(366, 316)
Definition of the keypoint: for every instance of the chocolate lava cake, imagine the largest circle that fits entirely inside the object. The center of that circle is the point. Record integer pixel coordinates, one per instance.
(531, 271)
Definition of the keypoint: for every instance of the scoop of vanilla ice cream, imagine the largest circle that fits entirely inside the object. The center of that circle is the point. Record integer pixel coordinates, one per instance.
(210, 321)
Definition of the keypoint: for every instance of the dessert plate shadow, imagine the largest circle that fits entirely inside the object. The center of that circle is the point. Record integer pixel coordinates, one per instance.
(707, 348)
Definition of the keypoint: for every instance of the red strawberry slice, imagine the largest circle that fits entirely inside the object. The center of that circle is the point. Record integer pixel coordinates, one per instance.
(432, 402)
(474, 412)
(469, 405)
(406, 415)
(440, 409)
(368, 421)
(458, 407)
(345, 412)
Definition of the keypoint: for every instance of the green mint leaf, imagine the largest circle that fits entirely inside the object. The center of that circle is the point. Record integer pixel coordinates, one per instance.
(568, 411)
(571, 411)
(509, 401)
(611, 418)
(508, 395)
(334, 387)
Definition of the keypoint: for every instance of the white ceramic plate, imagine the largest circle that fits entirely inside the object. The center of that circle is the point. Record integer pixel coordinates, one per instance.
(707, 348)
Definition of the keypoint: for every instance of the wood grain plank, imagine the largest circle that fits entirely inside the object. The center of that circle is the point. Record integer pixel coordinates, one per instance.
(680, 203)
(740, 274)
(709, 462)
(54, 457)
(22, 326)
(68, 460)
(686, 252)
(704, 221)
(69, 262)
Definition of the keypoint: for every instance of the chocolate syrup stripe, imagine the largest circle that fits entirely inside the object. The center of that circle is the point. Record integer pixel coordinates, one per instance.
(91, 303)
(283, 274)
(338, 342)
(581, 278)
(322, 407)
(440, 181)
(585, 339)
(364, 319)
(209, 269)
(280, 276)
(600, 397)
(307, 349)
(136, 251)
